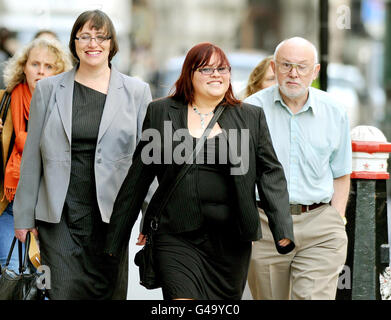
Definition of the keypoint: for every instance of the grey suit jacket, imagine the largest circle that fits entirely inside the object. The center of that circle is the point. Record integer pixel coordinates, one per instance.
(46, 161)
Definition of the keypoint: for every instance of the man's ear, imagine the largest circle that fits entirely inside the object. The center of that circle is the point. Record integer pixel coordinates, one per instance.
(273, 65)
(316, 71)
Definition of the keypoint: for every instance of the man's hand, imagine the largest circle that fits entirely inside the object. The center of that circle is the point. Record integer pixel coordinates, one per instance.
(341, 194)
(1, 125)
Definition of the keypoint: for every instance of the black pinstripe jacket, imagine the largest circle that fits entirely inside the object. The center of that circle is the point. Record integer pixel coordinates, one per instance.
(263, 170)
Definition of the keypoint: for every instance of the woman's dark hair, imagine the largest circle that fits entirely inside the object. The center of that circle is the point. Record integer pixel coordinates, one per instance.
(98, 20)
(197, 57)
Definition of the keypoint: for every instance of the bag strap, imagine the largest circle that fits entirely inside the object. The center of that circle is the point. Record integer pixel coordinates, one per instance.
(187, 166)
(4, 105)
(3, 98)
(22, 261)
(10, 252)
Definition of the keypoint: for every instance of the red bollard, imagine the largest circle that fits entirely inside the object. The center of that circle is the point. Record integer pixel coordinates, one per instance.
(367, 216)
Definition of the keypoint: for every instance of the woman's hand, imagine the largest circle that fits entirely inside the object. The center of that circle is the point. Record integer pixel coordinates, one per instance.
(284, 242)
(21, 233)
(141, 240)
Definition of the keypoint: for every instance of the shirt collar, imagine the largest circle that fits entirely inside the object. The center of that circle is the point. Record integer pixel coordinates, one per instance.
(308, 105)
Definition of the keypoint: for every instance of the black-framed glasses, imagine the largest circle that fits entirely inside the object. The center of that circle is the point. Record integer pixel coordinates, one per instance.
(86, 38)
(302, 69)
(209, 70)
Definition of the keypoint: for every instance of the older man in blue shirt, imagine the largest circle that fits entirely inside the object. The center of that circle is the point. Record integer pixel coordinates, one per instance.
(310, 133)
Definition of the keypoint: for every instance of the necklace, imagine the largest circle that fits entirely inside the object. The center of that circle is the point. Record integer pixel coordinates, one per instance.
(202, 116)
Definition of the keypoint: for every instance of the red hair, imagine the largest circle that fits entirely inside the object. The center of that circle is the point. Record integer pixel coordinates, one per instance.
(197, 57)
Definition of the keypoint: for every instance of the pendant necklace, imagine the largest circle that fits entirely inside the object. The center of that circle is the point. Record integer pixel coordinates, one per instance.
(202, 116)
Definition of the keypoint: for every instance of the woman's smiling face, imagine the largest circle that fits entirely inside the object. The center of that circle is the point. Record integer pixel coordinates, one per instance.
(214, 85)
(92, 52)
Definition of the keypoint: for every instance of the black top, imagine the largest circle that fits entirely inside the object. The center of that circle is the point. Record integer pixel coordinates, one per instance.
(215, 189)
(215, 197)
(87, 110)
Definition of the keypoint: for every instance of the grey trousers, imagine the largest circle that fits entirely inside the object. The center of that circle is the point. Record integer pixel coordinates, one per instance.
(310, 271)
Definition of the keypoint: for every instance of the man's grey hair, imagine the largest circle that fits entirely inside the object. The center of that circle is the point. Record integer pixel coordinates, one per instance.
(299, 39)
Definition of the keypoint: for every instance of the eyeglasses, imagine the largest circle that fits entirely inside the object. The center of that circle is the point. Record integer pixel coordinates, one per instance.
(209, 71)
(302, 69)
(86, 38)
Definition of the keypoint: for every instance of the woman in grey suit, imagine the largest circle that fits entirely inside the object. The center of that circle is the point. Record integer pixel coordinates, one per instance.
(84, 126)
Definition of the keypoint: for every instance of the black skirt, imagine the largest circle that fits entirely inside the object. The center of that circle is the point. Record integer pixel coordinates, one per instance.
(207, 264)
(73, 250)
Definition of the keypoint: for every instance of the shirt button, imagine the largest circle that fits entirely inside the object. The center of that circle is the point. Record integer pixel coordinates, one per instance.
(99, 150)
(99, 160)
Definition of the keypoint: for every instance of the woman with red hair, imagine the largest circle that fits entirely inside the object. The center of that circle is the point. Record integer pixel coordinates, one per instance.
(202, 242)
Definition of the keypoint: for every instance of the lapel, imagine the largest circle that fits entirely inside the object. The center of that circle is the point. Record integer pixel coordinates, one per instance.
(226, 120)
(178, 114)
(114, 100)
(231, 119)
(64, 99)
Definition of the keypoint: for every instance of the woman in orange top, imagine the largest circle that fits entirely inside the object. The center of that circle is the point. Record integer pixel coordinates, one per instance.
(41, 58)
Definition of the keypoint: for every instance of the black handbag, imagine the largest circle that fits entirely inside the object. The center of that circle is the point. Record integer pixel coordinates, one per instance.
(145, 262)
(22, 285)
(144, 259)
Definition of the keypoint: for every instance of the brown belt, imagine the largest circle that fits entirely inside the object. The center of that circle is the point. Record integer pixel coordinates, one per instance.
(299, 208)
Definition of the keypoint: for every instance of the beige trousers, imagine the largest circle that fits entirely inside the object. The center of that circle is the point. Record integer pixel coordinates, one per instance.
(310, 271)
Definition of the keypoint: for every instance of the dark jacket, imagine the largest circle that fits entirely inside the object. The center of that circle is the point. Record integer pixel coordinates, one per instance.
(263, 170)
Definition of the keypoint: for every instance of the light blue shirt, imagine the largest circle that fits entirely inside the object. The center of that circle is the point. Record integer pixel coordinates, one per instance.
(313, 145)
